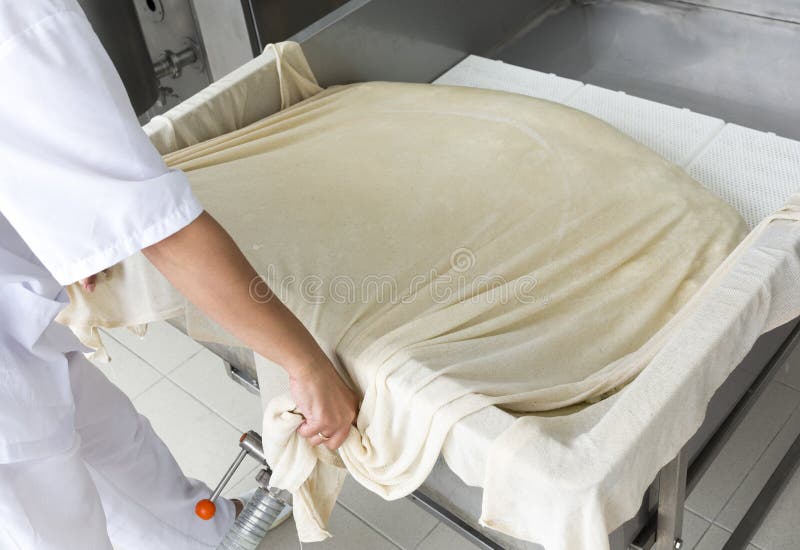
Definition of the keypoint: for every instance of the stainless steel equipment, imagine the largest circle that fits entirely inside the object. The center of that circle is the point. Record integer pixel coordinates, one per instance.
(260, 512)
(730, 58)
(117, 26)
(172, 63)
(253, 523)
(151, 49)
(733, 59)
(176, 49)
(277, 20)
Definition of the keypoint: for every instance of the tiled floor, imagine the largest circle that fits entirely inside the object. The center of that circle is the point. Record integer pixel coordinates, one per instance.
(728, 488)
(199, 412)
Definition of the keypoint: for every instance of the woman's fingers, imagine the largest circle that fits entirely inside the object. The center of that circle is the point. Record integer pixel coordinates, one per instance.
(328, 404)
(332, 442)
(309, 429)
(337, 439)
(306, 430)
(89, 283)
(318, 439)
(318, 434)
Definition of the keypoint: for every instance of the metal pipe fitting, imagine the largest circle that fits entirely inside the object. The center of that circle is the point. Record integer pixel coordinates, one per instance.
(253, 523)
(172, 63)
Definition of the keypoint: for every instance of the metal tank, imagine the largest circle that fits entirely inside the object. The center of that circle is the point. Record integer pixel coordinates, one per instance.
(117, 26)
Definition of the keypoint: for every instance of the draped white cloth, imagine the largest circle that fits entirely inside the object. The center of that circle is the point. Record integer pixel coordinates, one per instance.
(454, 249)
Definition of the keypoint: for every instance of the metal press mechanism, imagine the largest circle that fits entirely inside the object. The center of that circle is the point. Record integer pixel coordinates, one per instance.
(261, 510)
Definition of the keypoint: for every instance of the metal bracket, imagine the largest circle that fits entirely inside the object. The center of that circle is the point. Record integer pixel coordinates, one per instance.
(243, 378)
(449, 518)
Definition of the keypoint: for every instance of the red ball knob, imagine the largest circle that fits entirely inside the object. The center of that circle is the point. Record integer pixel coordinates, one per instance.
(205, 509)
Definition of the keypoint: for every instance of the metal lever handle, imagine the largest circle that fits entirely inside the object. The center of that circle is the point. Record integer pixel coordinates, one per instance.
(250, 442)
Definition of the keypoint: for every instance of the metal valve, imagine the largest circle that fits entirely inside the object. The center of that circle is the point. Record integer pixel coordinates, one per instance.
(266, 506)
(172, 63)
(250, 444)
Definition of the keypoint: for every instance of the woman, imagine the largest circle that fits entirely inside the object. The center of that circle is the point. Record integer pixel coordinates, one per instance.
(81, 188)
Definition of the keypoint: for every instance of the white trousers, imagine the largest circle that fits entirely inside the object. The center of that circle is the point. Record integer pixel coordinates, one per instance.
(117, 484)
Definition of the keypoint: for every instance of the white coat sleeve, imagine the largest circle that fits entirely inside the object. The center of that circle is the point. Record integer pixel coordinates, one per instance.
(79, 180)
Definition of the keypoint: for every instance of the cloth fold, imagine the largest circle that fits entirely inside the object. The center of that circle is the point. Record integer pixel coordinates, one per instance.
(314, 475)
(434, 303)
(585, 472)
(455, 249)
(277, 79)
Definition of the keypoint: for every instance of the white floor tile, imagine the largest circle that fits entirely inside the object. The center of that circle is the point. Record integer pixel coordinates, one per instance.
(694, 527)
(401, 521)
(163, 346)
(203, 376)
(126, 370)
(245, 485)
(742, 451)
(444, 538)
(349, 533)
(714, 539)
(203, 443)
(780, 530)
(744, 496)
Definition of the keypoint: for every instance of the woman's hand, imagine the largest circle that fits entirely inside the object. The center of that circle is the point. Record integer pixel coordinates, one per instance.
(89, 283)
(328, 405)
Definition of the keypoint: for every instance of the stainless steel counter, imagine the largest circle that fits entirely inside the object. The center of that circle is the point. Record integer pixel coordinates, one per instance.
(737, 60)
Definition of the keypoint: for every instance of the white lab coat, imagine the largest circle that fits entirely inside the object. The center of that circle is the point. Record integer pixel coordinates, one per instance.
(81, 188)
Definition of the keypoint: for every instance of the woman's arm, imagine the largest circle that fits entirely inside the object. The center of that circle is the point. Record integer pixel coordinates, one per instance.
(205, 265)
